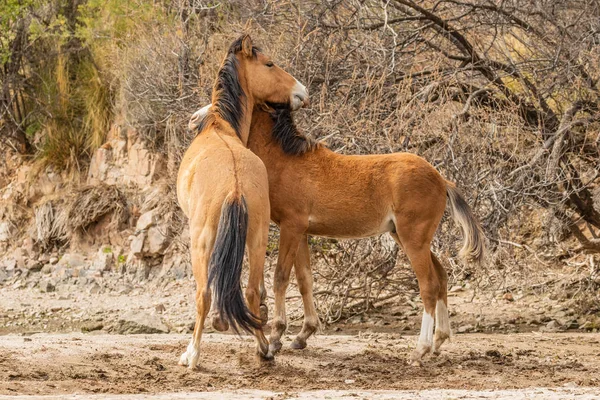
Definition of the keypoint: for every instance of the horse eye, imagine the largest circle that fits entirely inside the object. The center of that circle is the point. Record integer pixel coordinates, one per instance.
(269, 64)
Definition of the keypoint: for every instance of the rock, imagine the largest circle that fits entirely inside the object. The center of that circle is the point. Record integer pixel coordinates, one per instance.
(93, 326)
(137, 245)
(508, 297)
(104, 259)
(46, 269)
(456, 288)
(19, 257)
(552, 326)
(34, 266)
(135, 322)
(465, 328)
(94, 289)
(62, 273)
(6, 231)
(3, 275)
(10, 264)
(157, 240)
(160, 308)
(146, 220)
(586, 325)
(47, 286)
(72, 260)
(53, 260)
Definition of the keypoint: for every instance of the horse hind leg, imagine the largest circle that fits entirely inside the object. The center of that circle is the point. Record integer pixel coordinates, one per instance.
(442, 320)
(200, 259)
(429, 287)
(305, 285)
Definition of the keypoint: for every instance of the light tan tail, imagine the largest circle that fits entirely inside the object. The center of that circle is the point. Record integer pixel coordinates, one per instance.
(474, 239)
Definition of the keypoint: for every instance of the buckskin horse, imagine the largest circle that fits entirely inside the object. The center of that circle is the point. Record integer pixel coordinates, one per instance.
(314, 191)
(222, 187)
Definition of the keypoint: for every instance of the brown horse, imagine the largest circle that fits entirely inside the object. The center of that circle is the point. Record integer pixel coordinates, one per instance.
(314, 191)
(222, 187)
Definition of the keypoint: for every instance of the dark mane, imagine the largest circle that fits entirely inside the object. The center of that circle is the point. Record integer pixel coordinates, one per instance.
(230, 98)
(287, 135)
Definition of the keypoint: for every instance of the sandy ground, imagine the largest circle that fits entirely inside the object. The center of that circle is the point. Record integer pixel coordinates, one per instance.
(76, 363)
(502, 349)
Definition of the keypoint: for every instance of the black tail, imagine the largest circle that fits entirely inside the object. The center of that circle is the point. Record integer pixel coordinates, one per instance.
(225, 267)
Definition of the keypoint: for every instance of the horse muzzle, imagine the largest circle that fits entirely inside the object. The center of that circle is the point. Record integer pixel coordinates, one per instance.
(299, 97)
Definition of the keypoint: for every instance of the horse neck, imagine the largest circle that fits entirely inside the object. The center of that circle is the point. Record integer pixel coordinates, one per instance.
(259, 138)
(223, 99)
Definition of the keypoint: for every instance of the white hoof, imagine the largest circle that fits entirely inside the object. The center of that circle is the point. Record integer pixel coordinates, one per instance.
(190, 357)
(183, 360)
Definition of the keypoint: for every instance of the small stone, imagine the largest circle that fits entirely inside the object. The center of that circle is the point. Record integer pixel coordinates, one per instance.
(160, 308)
(146, 220)
(465, 328)
(72, 260)
(137, 245)
(46, 286)
(46, 269)
(104, 259)
(349, 381)
(586, 325)
(34, 266)
(94, 326)
(508, 297)
(135, 322)
(157, 240)
(552, 326)
(94, 289)
(53, 260)
(456, 288)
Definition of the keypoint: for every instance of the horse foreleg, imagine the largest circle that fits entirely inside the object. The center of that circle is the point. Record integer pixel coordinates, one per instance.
(264, 310)
(305, 285)
(288, 248)
(257, 248)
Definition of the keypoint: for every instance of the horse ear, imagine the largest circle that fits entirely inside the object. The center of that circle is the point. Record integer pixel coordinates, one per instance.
(247, 46)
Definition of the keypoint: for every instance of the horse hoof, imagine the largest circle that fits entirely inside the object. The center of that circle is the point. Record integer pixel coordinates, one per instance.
(183, 360)
(275, 346)
(298, 344)
(416, 363)
(267, 357)
(264, 314)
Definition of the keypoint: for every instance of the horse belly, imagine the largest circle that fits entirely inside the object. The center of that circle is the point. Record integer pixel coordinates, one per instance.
(351, 226)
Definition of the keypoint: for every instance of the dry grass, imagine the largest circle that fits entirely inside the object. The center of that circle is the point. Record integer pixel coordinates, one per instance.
(57, 221)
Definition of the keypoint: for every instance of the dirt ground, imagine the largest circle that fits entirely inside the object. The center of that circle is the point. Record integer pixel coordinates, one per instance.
(516, 348)
(43, 364)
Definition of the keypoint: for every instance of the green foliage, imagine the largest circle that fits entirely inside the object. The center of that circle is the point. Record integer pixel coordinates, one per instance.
(12, 13)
